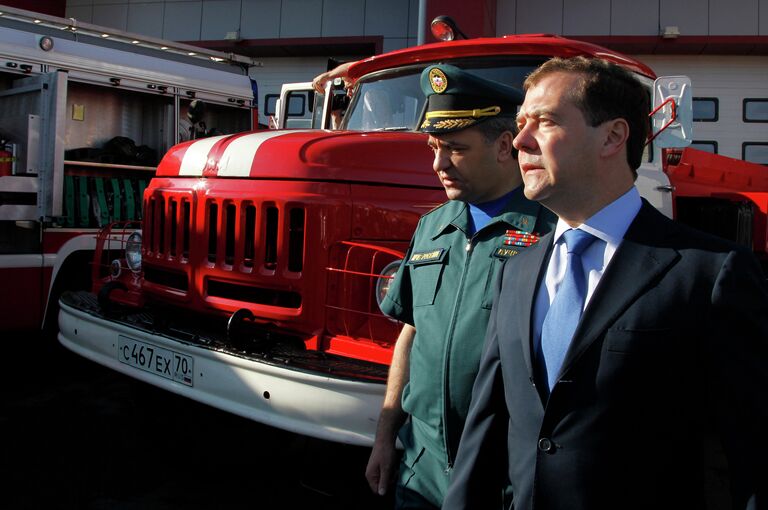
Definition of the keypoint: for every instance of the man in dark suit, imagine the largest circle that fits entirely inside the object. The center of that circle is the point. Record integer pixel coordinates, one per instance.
(626, 359)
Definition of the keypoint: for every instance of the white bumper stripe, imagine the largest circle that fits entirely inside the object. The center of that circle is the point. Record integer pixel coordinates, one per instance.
(305, 403)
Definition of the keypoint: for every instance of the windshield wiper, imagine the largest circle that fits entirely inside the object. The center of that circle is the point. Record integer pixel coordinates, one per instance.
(393, 128)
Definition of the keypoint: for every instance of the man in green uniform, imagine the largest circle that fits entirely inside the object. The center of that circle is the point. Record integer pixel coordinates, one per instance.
(444, 287)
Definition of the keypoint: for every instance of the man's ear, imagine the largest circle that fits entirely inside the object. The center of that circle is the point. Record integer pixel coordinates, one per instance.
(504, 146)
(616, 134)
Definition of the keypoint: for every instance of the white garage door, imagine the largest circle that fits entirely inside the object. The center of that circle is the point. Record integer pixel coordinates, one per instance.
(732, 95)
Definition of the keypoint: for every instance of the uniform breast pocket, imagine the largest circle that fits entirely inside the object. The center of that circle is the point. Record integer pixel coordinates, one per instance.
(490, 282)
(426, 275)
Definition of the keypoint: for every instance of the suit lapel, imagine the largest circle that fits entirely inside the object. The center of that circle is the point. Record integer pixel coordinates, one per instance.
(528, 283)
(640, 260)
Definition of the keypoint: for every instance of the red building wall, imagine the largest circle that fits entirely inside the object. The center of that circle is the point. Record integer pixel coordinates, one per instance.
(51, 7)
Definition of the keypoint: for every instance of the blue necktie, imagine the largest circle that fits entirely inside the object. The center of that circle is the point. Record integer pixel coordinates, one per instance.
(564, 313)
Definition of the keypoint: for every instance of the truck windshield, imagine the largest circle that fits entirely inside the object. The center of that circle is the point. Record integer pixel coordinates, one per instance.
(392, 100)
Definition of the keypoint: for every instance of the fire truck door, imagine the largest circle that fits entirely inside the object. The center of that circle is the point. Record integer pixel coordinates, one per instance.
(33, 121)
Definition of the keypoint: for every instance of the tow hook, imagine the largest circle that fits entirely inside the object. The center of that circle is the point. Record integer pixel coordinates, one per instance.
(236, 329)
(244, 333)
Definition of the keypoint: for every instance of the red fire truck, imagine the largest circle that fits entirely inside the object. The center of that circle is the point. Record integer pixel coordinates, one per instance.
(87, 112)
(254, 283)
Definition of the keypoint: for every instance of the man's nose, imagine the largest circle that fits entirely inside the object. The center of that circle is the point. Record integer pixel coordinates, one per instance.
(442, 161)
(524, 141)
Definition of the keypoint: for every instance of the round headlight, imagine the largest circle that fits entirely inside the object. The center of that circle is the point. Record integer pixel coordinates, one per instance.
(133, 252)
(385, 280)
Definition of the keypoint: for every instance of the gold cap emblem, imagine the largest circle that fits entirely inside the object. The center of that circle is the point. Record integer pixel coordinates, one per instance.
(438, 80)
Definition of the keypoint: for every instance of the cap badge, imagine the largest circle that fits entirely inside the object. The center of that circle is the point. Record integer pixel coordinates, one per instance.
(438, 80)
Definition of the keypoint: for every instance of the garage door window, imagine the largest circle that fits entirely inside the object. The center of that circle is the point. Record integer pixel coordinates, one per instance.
(755, 152)
(705, 109)
(705, 145)
(756, 110)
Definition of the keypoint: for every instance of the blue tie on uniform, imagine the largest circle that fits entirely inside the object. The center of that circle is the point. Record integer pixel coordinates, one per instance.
(564, 313)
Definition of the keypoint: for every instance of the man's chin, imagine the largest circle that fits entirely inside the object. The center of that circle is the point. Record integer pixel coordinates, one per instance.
(454, 194)
(534, 193)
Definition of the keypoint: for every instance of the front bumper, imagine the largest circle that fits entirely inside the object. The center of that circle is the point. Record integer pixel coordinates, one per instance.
(306, 392)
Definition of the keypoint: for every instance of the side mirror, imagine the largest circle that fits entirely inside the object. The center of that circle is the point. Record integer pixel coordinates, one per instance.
(672, 114)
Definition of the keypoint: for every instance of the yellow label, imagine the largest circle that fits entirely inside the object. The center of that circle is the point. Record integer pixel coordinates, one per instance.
(78, 112)
(427, 256)
(505, 252)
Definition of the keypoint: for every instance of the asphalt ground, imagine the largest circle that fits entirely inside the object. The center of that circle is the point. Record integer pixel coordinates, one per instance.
(76, 435)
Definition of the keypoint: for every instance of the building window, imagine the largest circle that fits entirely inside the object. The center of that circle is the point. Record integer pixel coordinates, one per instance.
(705, 145)
(755, 152)
(705, 109)
(756, 110)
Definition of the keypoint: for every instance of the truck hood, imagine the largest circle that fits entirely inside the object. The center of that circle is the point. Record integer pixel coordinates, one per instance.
(391, 158)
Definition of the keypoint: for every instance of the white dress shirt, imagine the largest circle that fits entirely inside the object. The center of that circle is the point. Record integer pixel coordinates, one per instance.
(608, 225)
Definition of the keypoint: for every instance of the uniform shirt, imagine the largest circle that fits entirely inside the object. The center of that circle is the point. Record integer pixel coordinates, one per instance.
(608, 225)
(444, 288)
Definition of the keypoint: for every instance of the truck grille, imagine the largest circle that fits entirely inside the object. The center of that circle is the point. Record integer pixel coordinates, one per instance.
(237, 237)
(238, 250)
(167, 226)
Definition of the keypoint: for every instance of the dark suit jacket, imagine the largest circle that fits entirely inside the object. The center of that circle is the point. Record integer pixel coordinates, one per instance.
(661, 400)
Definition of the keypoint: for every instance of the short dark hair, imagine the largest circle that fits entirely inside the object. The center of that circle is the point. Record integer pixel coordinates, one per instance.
(492, 128)
(607, 91)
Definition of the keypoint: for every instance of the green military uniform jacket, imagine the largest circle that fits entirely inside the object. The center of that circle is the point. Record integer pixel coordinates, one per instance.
(444, 288)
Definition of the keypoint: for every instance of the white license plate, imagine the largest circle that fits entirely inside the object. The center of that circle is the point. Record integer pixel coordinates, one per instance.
(156, 360)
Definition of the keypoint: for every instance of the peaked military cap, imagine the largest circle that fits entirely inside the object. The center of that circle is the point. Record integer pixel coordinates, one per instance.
(458, 99)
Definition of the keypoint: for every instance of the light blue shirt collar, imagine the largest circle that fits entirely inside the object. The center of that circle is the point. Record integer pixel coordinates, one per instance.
(611, 222)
